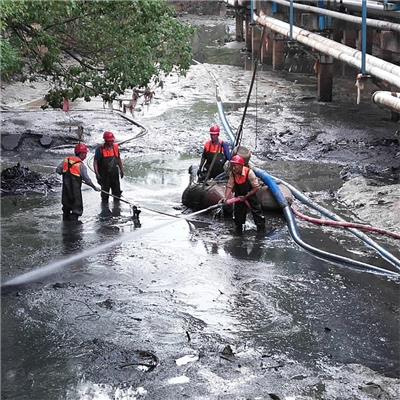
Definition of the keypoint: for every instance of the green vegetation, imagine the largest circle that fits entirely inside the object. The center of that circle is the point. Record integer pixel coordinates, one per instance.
(92, 48)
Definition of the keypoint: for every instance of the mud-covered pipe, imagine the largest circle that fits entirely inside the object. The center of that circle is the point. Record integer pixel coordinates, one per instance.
(324, 255)
(387, 99)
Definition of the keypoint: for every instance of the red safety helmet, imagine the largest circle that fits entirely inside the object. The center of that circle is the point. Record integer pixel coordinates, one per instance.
(81, 148)
(108, 136)
(214, 130)
(237, 160)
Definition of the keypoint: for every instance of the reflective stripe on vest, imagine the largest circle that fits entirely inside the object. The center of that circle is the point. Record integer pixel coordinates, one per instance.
(212, 148)
(72, 165)
(242, 178)
(108, 153)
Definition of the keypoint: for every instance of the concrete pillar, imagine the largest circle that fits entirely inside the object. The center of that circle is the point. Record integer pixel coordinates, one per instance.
(325, 78)
(349, 39)
(390, 41)
(309, 21)
(248, 31)
(256, 40)
(239, 19)
(394, 116)
(266, 49)
(338, 30)
(278, 52)
(370, 38)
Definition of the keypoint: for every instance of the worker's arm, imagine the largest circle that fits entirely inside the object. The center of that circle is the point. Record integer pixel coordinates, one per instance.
(121, 168)
(227, 150)
(254, 184)
(60, 167)
(229, 189)
(86, 178)
(96, 167)
(202, 161)
(96, 161)
(97, 154)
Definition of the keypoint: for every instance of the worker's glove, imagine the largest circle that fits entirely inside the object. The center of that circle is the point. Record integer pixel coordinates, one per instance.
(99, 180)
(233, 200)
(121, 174)
(97, 188)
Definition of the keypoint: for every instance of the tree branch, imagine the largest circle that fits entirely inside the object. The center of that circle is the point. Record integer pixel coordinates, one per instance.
(67, 21)
(80, 61)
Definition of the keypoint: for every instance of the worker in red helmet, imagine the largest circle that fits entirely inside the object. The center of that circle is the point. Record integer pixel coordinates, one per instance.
(73, 172)
(244, 184)
(215, 153)
(108, 167)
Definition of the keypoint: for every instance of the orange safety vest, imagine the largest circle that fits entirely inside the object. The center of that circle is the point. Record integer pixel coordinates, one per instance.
(210, 147)
(72, 165)
(108, 153)
(242, 178)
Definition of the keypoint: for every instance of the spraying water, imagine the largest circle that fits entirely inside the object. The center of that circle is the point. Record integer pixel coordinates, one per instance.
(56, 266)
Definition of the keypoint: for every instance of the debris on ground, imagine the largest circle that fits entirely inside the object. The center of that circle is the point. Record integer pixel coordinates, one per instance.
(19, 180)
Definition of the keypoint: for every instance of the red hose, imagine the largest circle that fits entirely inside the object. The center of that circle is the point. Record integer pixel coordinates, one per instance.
(344, 224)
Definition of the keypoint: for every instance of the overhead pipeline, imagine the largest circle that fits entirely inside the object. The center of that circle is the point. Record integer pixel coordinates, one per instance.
(375, 23)
(374, 66)
(387, 99)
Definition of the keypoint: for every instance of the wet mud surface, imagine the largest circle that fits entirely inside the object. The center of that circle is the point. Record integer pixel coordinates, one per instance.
(190, 310)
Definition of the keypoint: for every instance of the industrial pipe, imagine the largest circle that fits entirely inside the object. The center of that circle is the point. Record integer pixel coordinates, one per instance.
(372, 6)
(375, 23)
(371, 60)
(388, 99)
(379, 68)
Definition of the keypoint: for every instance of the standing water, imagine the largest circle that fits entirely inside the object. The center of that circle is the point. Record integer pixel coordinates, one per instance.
(252, 315)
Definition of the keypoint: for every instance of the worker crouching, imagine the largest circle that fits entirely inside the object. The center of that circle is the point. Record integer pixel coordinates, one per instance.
(244, 184)
(74, 171)
(108, 167)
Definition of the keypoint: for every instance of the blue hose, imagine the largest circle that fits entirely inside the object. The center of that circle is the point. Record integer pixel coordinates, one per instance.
(273, 187)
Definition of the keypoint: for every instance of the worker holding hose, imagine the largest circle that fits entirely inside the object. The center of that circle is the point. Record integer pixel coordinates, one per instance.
(74, 171)
(244, 183)
(108, 167)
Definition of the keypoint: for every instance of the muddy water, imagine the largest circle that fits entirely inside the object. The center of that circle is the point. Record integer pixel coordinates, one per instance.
(114, 325)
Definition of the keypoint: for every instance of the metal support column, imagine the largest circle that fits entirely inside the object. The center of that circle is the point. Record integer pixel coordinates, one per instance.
(291, 18)
(364, 36)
